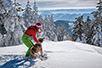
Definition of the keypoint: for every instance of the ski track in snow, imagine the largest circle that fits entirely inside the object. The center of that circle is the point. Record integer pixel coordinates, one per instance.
(57, 52)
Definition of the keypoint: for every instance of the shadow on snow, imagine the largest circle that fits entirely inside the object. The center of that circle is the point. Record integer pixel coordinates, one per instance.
(15, 61)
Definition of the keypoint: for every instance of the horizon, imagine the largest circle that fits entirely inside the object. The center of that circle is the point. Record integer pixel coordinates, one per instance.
(62, 4)
(66, 8)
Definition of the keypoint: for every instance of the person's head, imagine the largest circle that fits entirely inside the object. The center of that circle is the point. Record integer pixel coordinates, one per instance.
(40, 39)
(38, 25)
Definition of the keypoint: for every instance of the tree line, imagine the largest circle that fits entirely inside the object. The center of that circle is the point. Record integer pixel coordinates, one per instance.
(89, 31)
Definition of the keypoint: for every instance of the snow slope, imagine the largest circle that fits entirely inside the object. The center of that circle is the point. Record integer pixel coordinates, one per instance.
(65, 54)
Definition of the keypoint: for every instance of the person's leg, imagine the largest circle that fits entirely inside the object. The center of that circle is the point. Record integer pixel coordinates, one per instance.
(28, 52)
(31, 42)
(30, 45)
(27, 41)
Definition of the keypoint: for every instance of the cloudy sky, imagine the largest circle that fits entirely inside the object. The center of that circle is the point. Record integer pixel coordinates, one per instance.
(60, 3)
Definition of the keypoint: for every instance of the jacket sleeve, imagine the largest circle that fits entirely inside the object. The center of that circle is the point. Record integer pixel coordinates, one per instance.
(34, 37)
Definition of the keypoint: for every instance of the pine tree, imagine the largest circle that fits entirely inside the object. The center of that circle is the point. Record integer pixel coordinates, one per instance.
(35, 12)
(97, 38)
(60, 32)
(46, 28)
(52, 28)
(3, 31)
(78, 29)
(75, 26)
(18, 6)
(88, 30)
(2, 8)
(28, 15)
(66, 35)
(13, 26)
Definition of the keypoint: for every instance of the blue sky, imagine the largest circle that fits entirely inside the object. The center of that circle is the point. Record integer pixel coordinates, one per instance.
(60, 3)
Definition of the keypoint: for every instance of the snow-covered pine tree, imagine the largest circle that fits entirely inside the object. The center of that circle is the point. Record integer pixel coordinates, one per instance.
(2, 8)
(12, 24)
(97, 38)
(75, 30)
(49, 27)
(27, 15)
(62, 33)
(52, 27)
(2, 31)
(87, 31)
(18, 6)
(35, 15)
(66, 35)
(78, 29)
(46, 28)
(2, 28)
(59, 32)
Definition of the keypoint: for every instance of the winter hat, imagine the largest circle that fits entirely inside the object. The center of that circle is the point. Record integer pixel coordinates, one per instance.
(38, 25)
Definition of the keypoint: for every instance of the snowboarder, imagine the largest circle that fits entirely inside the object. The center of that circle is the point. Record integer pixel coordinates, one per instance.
(31, 31)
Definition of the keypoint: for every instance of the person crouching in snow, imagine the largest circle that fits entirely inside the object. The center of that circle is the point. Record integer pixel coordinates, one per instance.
(34, 51)
(31, 31)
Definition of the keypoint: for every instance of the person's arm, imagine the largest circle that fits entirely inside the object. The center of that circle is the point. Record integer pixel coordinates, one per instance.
(34, 38)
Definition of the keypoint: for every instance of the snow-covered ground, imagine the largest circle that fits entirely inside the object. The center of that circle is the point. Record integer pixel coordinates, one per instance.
(66, 54)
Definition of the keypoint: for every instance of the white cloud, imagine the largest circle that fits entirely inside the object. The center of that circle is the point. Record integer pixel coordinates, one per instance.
(61, 3)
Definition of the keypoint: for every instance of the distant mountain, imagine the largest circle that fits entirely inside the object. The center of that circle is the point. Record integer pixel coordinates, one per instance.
(70, 17)
(67, 14)
(67, 11)
(67, 24)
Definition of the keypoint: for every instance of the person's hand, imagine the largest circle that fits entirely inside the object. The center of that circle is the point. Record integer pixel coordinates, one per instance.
(39, 31)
